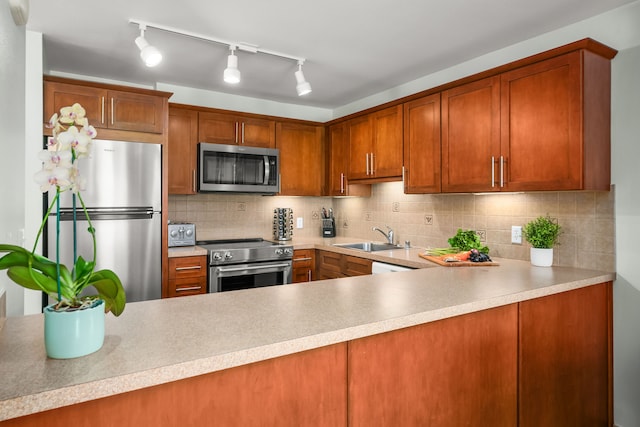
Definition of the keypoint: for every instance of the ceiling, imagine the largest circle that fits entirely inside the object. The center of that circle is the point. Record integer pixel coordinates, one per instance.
(353, 48)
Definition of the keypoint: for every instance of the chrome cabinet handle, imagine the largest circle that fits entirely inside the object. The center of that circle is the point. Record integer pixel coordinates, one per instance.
(367, 160)
(309, 273)
(493, 172)
(194, 180)
(113, 111)
(341, 183)
(243, 132)
(191, 288)
(373, 169)
(501, 171)
(193, 267)
(302, 259)
(102, 112)
(236, 132)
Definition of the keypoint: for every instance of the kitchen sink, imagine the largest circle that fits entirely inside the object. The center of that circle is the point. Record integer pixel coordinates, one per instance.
(367, 246)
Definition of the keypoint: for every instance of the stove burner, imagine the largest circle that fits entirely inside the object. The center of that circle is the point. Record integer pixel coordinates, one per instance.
(238, 251)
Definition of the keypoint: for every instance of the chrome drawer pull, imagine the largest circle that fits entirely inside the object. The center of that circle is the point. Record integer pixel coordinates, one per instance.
(195, 267)
(192, 288)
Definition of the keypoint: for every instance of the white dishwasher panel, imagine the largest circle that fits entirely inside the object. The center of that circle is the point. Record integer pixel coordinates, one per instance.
(380, 267)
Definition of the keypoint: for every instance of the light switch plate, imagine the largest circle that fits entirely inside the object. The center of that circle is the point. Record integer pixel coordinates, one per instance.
(299, 222)
(516, 234)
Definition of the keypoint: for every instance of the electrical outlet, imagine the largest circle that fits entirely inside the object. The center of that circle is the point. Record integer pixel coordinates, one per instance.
(299, 222)
(516, 234)
(395, 206)
(428, 219)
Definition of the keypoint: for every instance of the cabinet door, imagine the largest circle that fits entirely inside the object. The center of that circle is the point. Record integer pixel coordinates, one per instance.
(218, 128)
(258, 132)
(182, 150)
(471, 137)
(565, 359)
(460, 371)
(339, 164)
(93, 100)
(354, 266)
(422, 145)
(303, 265)
(386, 157)
(301, 159)
(360, 147)
(542, 125)
(135, 112)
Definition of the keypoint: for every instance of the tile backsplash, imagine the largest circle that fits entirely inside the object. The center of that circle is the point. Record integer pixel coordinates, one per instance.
(426, 220)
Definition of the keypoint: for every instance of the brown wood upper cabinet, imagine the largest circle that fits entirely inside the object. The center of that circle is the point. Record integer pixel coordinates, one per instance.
(422, 145)
(339, 164)
(182, 150)
(107, 107)
(375, 145)
(301, 159)
(220, 128)
(543, 126)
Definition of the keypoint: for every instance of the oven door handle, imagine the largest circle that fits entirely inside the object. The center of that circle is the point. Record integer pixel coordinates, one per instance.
(253, 267)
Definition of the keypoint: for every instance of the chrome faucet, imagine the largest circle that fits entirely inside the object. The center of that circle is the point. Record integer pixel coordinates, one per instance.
(389, 235)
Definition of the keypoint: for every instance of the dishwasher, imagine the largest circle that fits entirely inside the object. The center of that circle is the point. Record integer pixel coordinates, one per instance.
(381, 267)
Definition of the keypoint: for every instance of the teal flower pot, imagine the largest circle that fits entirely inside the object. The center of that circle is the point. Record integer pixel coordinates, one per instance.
(69, 334)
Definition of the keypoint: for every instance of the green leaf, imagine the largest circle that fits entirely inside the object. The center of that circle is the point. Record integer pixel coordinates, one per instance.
(110, 289)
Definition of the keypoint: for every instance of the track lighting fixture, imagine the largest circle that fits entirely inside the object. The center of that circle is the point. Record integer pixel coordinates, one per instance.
(231, 73)
(302, 87)
(149, 54)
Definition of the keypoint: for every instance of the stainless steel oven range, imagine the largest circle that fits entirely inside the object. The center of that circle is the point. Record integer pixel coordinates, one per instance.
(247, 263)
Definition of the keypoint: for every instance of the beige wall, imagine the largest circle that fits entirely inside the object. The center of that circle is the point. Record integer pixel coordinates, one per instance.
(586, 217)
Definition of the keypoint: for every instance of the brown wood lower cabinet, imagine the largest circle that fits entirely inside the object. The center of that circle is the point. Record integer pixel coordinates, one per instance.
(543, 362)
(460, 371)
(303, 265)
(187, 276)
(332, 265)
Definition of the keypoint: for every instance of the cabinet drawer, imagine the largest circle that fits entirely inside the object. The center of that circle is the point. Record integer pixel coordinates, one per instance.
(187, 286)
(188, 267)
(303, 258)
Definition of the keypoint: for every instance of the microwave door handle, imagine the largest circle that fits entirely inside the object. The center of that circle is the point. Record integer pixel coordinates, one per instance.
(267, 171)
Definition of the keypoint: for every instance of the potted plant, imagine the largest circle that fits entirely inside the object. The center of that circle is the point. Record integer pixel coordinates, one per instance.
(74, 325)
(542, 233)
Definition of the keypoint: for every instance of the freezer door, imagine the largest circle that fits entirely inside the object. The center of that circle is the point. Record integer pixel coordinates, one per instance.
(129, 243)
(120, 174)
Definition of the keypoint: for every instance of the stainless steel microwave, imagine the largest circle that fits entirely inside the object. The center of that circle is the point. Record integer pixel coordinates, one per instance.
(238, 169)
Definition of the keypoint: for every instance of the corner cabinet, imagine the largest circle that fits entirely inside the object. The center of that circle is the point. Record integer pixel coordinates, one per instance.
(332, 265)
(109, 108)
(375, 146)
(422, 145)
(182, 150)
(338, 183)
(235, 129)
(302, 159)
(540, 127)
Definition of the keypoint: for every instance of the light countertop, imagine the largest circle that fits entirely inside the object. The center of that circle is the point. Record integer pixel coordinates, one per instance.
(155, 342)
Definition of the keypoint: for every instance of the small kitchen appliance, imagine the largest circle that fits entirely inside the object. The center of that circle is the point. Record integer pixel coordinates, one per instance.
(182, 234)
(247, 263)
(282, 223)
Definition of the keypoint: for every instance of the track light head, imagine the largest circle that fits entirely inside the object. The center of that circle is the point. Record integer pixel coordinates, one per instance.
(302, 87)
(149, 54)
(231, 73)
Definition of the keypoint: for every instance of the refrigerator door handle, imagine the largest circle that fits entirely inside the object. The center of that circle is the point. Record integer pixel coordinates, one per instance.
(66, 214)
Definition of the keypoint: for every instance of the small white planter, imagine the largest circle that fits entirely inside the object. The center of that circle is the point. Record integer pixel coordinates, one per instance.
(541, 257)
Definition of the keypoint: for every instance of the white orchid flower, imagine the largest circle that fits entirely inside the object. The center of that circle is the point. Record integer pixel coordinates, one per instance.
(81, 145)
(90, 131)
(77, 181)
(67, 139)
(53, 159)
(55, 178)
(72, 114)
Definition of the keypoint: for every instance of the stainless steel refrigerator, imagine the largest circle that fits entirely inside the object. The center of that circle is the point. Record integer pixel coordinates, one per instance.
(123, 196)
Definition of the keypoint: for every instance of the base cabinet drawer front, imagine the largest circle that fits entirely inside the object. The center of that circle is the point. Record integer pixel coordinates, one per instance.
(332, 265)
(187, 286)
(460, 371)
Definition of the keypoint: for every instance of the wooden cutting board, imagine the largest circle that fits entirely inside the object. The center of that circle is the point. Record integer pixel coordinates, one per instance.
(439, 261)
